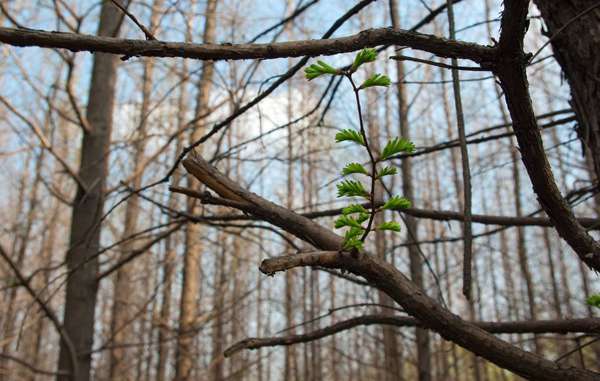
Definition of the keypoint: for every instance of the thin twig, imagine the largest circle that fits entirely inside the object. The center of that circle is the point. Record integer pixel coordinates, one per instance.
(454, 66)
(464, 153)
(32, 367)
(147, 33)
(47, 311)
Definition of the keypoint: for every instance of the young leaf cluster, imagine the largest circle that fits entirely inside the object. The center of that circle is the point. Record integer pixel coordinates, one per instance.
(351, 188)
(376, 80)
(349, 135)
(319, 69)
(594, 300)
(364, 56)
(396, 146)
(355, 218)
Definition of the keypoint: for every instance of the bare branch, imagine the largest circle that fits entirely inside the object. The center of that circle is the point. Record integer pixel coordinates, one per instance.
(44, 307)
(513, 79)
(367, 38)
(439, 64)
(31, 367)
(586, 325)
(147, 33)
(44, 142)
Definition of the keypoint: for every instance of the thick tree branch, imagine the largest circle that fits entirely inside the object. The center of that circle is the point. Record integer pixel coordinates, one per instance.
(151, 48)
(388, 279)
(513, 79)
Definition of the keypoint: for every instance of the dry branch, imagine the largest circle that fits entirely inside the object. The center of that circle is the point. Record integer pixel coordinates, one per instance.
(587, 325)
(513, 78)
(151, 48)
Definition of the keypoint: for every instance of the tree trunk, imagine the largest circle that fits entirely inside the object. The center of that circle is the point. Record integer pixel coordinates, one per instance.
(193, 241)
(416, 265)
(24, 237)
(290, 365)
(575, 49)
(120, 361)
(171, 244)
(218, 335)
(88, 206)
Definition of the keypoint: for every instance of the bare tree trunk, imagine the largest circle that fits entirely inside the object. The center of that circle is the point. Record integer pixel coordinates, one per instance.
(433, 183)
(217, 372)
(142, 354)
(120, 357)
(165, 310)
(170, 247)
(575, 49)
(186, 358)
(259, 319)
(46, 250)
(416, 262)
(290, 365)
(23, 237)
(82, 287)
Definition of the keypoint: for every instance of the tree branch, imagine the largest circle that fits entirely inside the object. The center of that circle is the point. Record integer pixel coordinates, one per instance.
(438, 215)
(64, 336)
(510, 69)
(152, 48)
(586, 325)
(388, 279)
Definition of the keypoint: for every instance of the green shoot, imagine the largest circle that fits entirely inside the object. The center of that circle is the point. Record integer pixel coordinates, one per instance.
(376, 80)
(355, 218)
(319, 69)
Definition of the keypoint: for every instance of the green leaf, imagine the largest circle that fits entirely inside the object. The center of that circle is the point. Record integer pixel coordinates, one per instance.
(352, 238)
(594, 300)
(387, 171)
(389, 225)
(396, 146)
(353, 232)
(362, 217)
(349, 135)
(353, 243)
(344, 221)
(365, 55)
(318, 69)
(351, 188)
(376, 80)
(354, 168)
(396, 203)
(354, 208)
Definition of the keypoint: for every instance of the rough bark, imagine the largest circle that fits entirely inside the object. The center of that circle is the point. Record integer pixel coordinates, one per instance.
(84, 238)
(575, 49)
